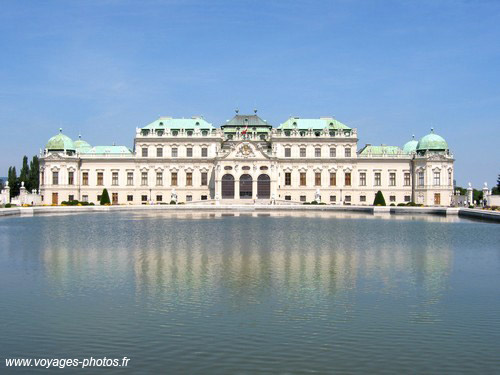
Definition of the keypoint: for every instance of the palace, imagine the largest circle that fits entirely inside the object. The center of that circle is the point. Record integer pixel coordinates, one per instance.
(247, 160)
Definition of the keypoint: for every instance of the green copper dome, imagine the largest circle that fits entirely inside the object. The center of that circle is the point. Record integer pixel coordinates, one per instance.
(432, 142)
(81, 145)
(60, 142)
(410, 146)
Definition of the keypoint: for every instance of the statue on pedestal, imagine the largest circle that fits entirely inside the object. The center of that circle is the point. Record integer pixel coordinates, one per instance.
(173, 196)
(317, 196)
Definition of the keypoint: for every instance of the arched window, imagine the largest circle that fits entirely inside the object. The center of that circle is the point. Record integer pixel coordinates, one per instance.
(227, 186)
(263, 186)
(245, 186)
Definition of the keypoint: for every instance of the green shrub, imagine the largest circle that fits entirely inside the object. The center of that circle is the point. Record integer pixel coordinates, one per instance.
(471, 206)
(105, 197)
(401, 204)
(411, 204)
(180, 203)
(306, 203)
(172, 202)
(392, 205)
(91, 204)
(322, 203)
(379, 199)
(8, 205)
(314, 202)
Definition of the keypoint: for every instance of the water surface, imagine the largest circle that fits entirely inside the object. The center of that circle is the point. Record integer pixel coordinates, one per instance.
(215, 293)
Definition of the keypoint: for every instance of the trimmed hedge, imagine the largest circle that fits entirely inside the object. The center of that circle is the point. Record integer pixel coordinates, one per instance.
(379, 199)
(105, 197)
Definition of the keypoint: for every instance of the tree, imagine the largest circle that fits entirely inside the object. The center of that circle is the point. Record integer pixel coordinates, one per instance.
(34, 174)
(105, 197)
(13, 182)
(379, 199)
(25, 170)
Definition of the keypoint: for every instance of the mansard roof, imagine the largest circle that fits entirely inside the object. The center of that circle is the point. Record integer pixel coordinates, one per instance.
(106, 150)
(312, 123)
(195, 122)
(380, 150)
(244, 120)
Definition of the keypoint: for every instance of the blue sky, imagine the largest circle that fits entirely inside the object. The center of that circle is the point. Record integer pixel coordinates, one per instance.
(389, 68)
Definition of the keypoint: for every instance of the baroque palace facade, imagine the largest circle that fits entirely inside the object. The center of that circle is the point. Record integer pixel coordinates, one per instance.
(247, 160)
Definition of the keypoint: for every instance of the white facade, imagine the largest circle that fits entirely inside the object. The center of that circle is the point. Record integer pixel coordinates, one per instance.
(245, 161)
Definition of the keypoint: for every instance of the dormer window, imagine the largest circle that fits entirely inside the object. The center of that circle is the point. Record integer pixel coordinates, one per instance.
(175, 133)
(190, 133)
(161, 123)
(287, 133)
(204, 133)
(317, 134)
(197, 123)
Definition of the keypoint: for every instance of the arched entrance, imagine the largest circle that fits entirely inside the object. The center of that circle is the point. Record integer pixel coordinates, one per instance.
(245, 186)
(227, 185)
(264, 187)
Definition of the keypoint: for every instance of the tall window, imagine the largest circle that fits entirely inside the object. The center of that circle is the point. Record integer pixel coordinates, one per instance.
(55, 178)
(450, 178)
(144, 178)
(317, 178)
(333, 152)
(100, 178)
(130, 178)
(347, 178)
(288, 152)
(173, 180)
(144, 152)
(204, 178)
(317, 152)
(362, 179)
(189, 178)
(174, 152)
(303, 179)
(437, 178)
(392, 179)
(71, 178)
(347, 152)
(85, 178)
(114, 178)
(159, 152)
(159, 178)
(378, 179)
(302, 152)
(420, 178)
(288, 178)
(189, 152)
(407, 179)
(204, 152)
(333, 179)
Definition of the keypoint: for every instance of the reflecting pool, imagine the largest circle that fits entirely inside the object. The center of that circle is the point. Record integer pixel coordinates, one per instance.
(224, 293)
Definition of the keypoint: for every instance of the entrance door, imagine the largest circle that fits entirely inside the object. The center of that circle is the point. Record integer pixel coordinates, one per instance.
(437, 199)
(115, 198)
(246, 186)
(55, 198)
(227, 186)
(264, 187)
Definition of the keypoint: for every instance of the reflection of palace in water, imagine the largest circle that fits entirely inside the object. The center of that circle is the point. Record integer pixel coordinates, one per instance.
(302, 258)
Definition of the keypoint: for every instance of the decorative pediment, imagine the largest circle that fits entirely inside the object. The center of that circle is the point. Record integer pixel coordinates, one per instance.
(245, 150)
